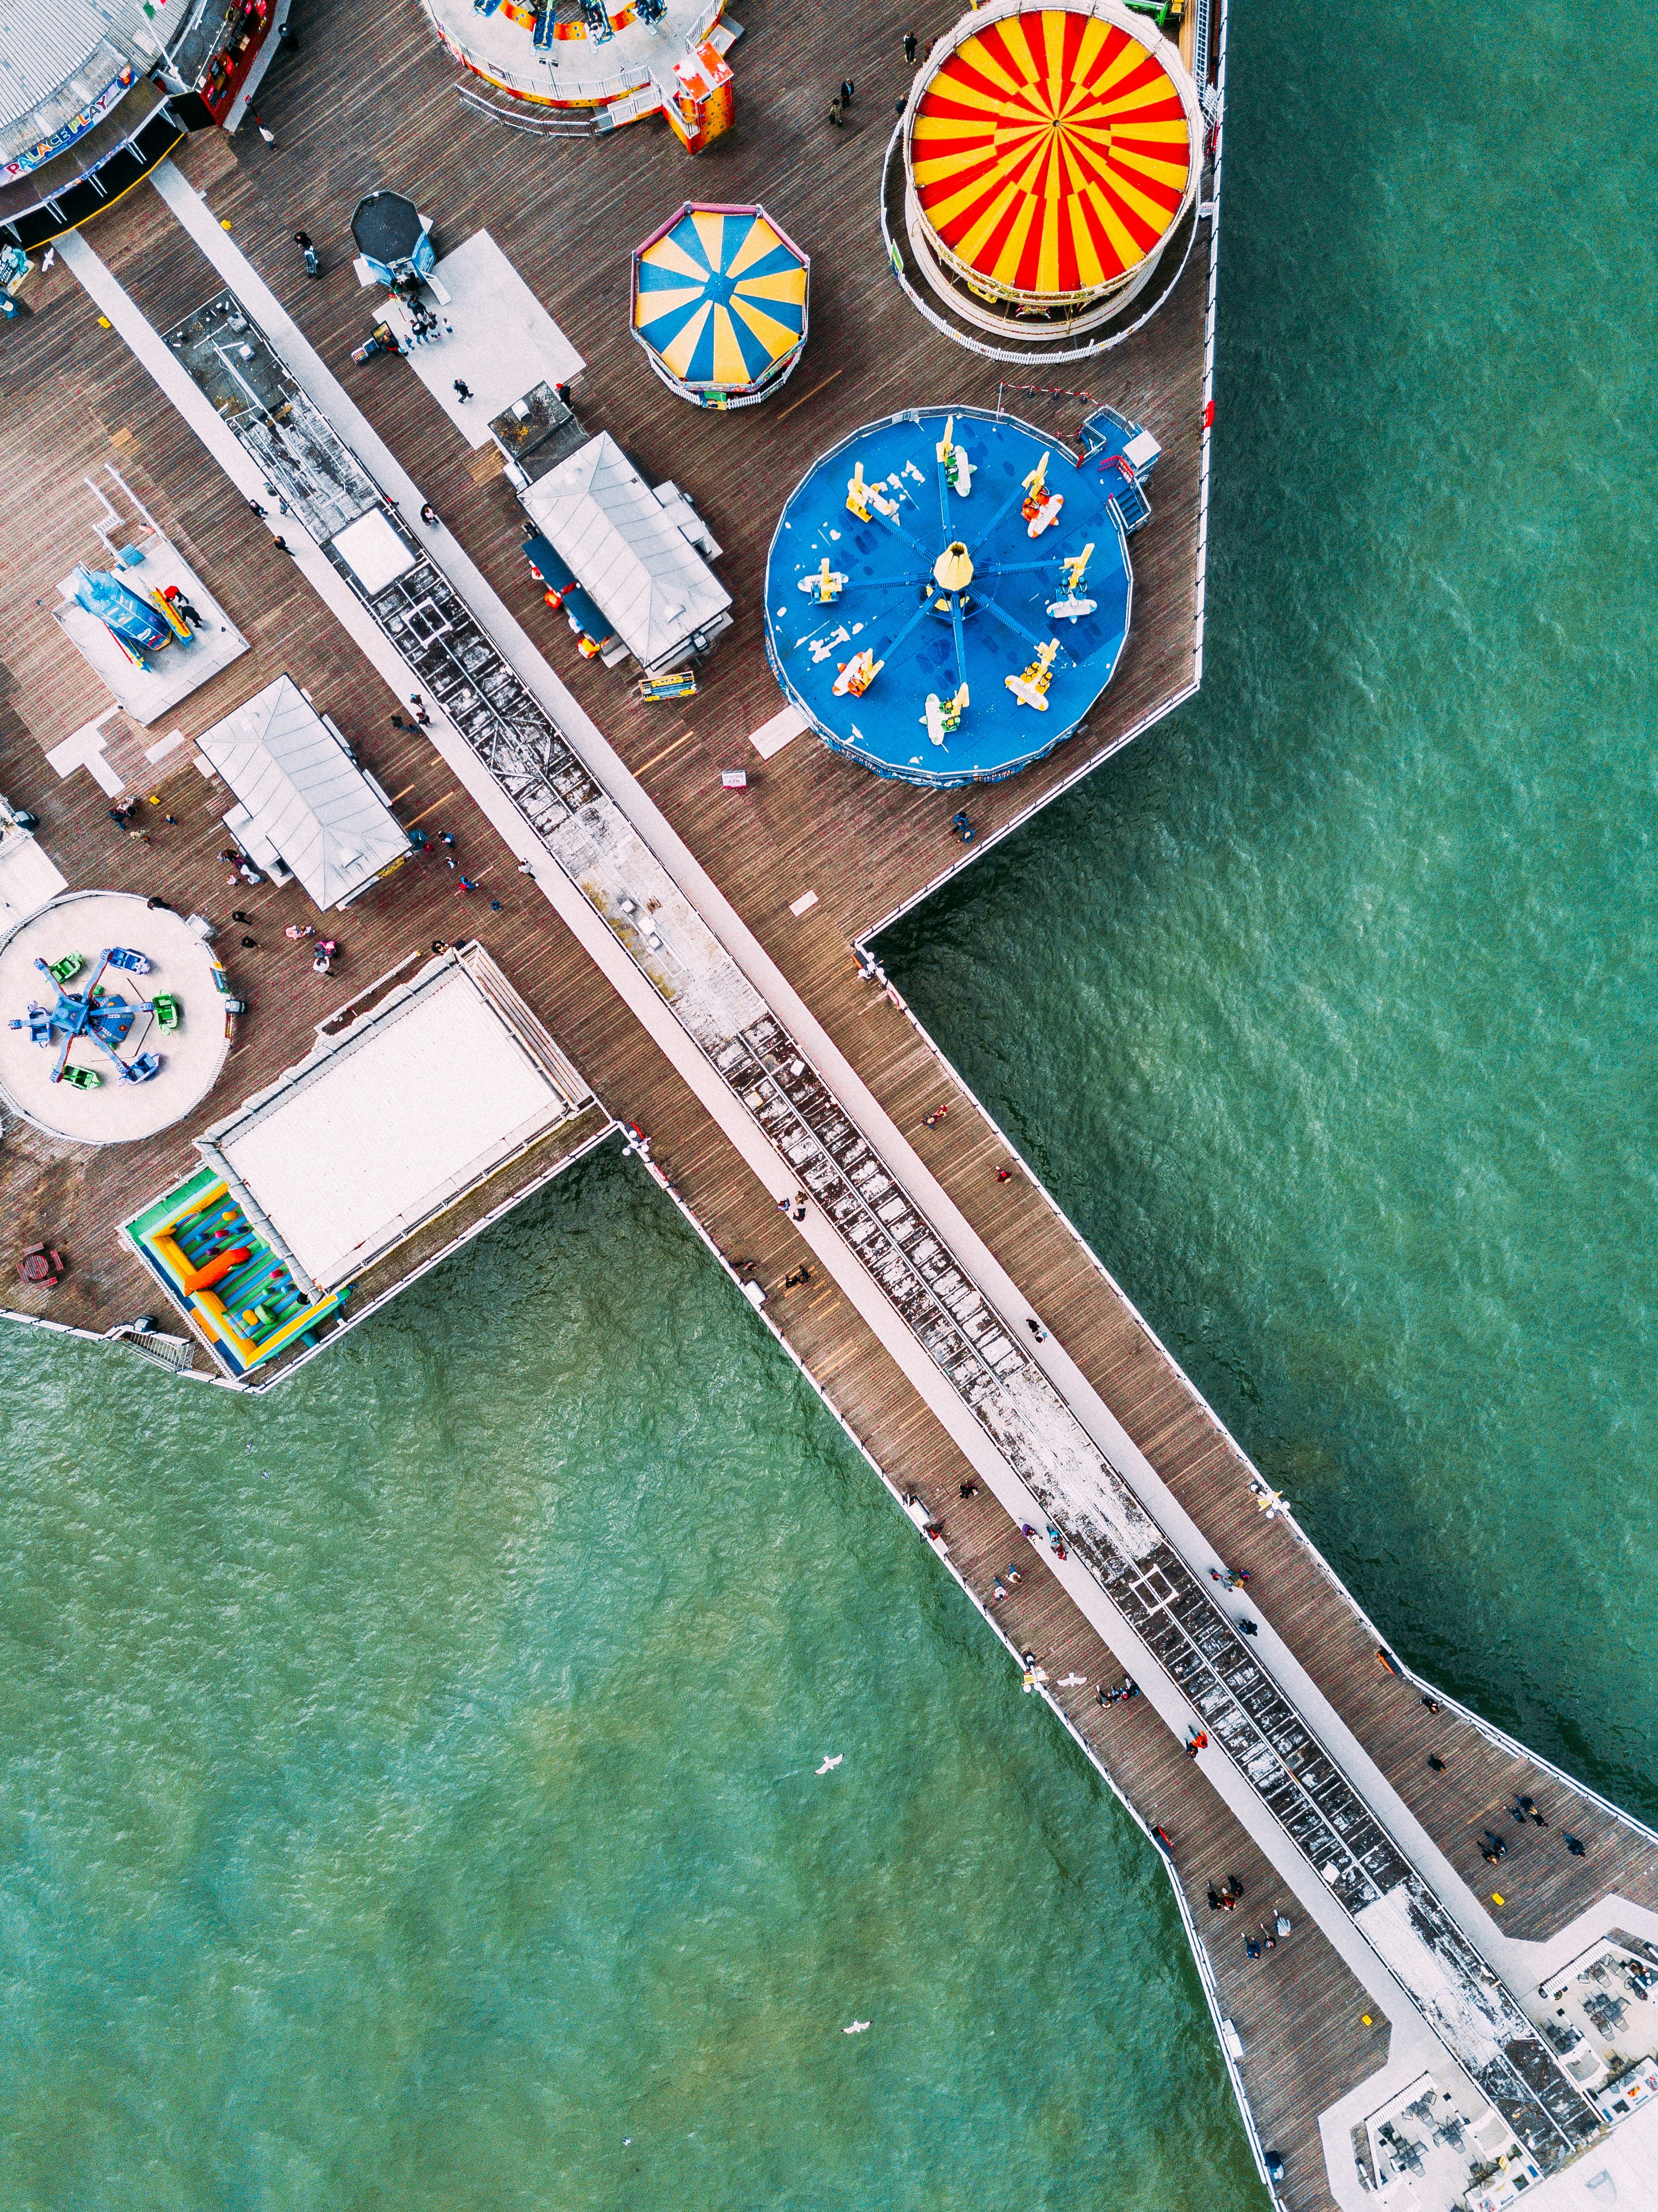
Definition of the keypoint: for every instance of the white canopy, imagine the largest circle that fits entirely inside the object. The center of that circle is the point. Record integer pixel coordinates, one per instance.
(641, 569)
(302, 795)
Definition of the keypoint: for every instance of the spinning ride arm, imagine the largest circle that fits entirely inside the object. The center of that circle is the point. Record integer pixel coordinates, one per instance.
(897, 639)
(960, 639)
(1014, 499)
(1029, 636)
(855, 584)
(1023, 567)
(892, 523)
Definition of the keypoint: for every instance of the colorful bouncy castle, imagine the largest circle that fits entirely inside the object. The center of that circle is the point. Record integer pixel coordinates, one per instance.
(226, 1276)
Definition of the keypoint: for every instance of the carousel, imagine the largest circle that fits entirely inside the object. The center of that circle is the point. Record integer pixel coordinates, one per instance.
(1052, 157)
(948, 593)
(719, 303)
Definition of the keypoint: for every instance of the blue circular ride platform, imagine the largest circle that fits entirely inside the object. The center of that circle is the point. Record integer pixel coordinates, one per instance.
(947, 594)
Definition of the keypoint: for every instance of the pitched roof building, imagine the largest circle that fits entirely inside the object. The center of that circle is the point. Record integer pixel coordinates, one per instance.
(628, 553)
(303, 802)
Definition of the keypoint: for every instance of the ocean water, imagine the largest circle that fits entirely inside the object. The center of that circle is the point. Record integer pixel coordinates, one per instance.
(406, 1786)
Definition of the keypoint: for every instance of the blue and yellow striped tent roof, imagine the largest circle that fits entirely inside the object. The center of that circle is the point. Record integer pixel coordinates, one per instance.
(719, 294)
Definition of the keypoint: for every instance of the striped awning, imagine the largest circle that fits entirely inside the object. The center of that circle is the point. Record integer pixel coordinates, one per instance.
(721, 297)
(1051, 153)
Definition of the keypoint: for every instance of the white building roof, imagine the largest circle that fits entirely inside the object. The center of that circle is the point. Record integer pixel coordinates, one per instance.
(384, 1125)
(646, 577)
(303, 794)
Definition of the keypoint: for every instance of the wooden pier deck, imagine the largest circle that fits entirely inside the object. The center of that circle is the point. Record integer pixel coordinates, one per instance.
(369, 100)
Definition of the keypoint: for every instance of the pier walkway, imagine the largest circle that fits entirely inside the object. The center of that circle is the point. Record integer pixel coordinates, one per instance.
(739, 1034)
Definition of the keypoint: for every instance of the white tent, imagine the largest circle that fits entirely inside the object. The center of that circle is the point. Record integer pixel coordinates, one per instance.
(629, 556)
(303, 799)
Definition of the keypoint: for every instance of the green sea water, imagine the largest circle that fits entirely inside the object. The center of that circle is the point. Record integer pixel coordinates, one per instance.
(406, 1785)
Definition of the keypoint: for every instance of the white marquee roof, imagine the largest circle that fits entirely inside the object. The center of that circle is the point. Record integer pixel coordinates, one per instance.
(303, 794)
(649, 581)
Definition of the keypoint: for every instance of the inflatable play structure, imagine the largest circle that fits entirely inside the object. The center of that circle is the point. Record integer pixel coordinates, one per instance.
(223, 1274)
(719, 303)
(948, 592)
(1052, 156)
(137, 624)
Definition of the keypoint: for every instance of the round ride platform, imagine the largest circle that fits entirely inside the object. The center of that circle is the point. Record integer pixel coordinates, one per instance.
(112, 1112)
(565, 63)
(1052, 154)
(940, 588)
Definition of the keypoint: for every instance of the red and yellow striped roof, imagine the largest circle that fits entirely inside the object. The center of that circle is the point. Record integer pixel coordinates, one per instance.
(1050, 153)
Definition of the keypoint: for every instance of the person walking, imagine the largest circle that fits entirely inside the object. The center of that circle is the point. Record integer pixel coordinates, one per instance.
(463, 390)
(909, 48)
(257, 508)
(429, 516)
(313, 265)
(834, 113)
(282, 546)
(848, 92)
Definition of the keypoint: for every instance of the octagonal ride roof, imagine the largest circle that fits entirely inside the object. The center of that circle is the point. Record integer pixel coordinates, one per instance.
(1051, 150)
(883, 608)
(720, 296)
